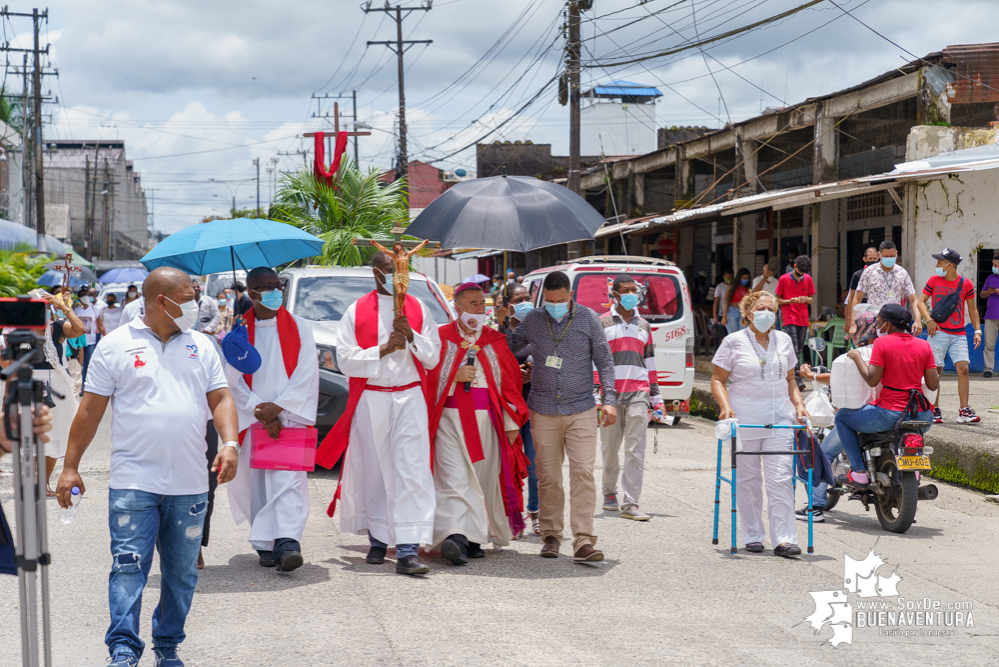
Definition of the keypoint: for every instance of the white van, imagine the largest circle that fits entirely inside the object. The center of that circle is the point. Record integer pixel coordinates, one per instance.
(665, 305)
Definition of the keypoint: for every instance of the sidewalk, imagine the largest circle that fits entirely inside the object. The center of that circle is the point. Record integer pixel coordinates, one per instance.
(962, 453)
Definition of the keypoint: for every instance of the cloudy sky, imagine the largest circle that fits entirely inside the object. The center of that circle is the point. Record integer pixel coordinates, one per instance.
(199, 89)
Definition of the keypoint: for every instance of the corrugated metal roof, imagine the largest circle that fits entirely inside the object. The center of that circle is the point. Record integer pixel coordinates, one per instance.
(626, 89)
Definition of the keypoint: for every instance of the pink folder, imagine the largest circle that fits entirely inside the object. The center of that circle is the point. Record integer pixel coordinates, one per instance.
(295, 449)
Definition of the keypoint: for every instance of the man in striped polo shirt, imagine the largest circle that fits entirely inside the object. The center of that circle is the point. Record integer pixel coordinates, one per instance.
(630, 339)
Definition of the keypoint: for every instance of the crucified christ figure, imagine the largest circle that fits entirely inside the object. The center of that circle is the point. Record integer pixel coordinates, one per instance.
(400, 276)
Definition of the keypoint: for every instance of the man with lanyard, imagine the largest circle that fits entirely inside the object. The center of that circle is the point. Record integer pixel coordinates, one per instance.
(209, 317)
(388, 486)
(475, 419)
(282, 393)
(885, 283)
(563, 410)
(949, 337)
(88, 314)
(794, 293)
(630, 339)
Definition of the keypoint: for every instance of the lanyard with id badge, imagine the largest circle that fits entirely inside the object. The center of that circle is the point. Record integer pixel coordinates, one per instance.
(553, 360)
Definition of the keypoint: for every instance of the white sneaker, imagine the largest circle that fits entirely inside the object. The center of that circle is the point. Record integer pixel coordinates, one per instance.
(634, 514)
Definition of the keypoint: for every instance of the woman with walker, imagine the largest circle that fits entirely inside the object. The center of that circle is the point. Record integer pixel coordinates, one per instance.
(760, 363)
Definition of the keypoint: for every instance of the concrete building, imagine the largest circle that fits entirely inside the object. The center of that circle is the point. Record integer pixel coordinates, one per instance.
(425, 184)
(93, 183)
(817, 178)
(618, 118)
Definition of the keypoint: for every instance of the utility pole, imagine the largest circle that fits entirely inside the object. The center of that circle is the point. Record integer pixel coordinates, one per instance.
(36, 86)
(256, 163)
(572, 51)
(399, 47)
(357, 160)
(90, 206)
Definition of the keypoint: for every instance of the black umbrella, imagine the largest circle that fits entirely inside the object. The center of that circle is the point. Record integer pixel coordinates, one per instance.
(517, 213)
(81, 272)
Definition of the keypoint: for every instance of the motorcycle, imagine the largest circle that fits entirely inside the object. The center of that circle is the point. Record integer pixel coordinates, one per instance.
(894, 461)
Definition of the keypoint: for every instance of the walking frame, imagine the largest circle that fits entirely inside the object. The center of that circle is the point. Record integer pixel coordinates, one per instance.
(732, 482)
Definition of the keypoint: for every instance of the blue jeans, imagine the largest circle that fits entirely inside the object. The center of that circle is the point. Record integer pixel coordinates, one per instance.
(140, 522)
(401, 550)
(734, 319)
(868, 419)
(831, 447)
(532, 474)
(88, 352)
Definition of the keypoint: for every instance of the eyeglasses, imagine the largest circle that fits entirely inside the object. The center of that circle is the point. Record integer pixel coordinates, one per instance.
(264, 289)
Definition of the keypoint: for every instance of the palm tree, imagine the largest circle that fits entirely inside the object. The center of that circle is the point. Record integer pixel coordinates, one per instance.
(11, 109)
(19, 270)
(357, 207)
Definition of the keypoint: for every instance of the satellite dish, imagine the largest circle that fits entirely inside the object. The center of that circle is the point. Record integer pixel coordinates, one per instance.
(460, 173)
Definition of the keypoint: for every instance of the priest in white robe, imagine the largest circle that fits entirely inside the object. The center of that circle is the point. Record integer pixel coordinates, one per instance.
(479, 460)
(387, 484)
(282, 393)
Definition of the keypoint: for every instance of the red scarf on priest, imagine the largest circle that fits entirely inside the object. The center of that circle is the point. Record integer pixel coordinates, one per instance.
(334, 445)
(288, 337)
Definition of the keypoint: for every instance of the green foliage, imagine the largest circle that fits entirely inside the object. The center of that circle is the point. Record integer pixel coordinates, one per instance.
(19, 271)
(984, 479)
(358, 207)
(11, 109)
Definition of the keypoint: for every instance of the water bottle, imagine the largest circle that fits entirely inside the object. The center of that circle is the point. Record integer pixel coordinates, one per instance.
(66, 514)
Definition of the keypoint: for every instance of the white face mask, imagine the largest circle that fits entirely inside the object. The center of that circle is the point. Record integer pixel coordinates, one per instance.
(189, 314)
(763, 320)
(85, 300)
(473, 321)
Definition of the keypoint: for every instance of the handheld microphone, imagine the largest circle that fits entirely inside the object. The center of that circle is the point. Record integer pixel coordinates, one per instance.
(469, 362)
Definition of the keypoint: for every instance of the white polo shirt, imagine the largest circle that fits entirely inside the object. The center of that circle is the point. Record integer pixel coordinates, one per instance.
(132, 310)
(160, 409)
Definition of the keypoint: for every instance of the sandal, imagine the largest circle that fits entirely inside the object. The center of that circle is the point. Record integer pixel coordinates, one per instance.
(49, 492)
(535, 523)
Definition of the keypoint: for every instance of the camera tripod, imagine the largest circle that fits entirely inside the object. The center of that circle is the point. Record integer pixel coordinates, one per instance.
(31, 555)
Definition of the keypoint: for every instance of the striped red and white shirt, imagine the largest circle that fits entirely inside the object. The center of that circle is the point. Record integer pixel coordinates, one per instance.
(634, 358)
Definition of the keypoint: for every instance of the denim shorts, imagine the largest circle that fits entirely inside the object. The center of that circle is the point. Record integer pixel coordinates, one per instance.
(944, 343)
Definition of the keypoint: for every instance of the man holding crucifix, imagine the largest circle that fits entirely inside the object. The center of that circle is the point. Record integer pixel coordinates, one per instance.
(388, 487)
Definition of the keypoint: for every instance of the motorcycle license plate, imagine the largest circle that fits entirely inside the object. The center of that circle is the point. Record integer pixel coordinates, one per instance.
(913, 462)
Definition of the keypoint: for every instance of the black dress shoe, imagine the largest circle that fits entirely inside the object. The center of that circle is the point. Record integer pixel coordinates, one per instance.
(755, 547)
(376, 556)
(475, 550)
(290, 560)
(410, 565)
(266, 558)
(454, 551)
(787, 550)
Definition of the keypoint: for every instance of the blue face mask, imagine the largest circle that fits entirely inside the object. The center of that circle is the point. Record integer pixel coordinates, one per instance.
(888, 262)
(521, 310)
(995, 269)
(272, 299)
(940, 271)
(557, 310)
(744, 281)
(628, 301)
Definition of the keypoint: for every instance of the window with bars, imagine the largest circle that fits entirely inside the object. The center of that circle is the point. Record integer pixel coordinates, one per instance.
(870, 205)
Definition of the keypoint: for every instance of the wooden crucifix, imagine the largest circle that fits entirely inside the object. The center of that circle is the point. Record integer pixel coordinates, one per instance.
(66, 268)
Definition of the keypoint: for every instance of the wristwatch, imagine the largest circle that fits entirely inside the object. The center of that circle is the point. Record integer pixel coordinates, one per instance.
(233, 444)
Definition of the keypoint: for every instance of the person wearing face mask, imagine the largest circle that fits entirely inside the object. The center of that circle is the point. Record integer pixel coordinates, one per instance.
(209, 317)
(794, 292)
(870, 259)
(226, 316)
(475, 419)
(990, 291)
(630, 339)
(111, 317)
(88, 314)
(760, 362)
(731, 317)
(282, 393)
(131, 294)
(568, 342)
(166, 382)
(718, 308)
(883, 283)
(520, 306)
(384, 434)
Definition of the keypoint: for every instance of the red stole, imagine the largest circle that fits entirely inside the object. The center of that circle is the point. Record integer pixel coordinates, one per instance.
(335, 443)
(288, 337)
(322, 175)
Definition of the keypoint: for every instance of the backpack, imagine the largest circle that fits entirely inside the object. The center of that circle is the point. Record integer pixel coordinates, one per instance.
(945, 307)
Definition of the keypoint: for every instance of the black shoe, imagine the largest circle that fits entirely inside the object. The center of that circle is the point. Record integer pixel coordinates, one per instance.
(376, 556)
(987, 375)
(755, 547)
(267, 558)
(454, 551)
(817, 515)
(787, 550)
(475, 550)
(410, 565)
(290, 560)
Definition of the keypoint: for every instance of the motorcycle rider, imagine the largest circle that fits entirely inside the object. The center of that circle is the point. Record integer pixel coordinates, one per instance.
(899, 361)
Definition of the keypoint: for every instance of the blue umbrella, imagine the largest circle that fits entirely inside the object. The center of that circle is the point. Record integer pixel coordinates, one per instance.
(124, 276)
(52, 278)
(477, 278)
(224, 245)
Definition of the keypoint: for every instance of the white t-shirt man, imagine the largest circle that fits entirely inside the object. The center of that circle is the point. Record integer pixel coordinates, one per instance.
(160, 408)
(88, 315)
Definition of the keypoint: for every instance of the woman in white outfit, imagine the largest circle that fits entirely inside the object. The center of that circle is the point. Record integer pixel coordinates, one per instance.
(760, 364)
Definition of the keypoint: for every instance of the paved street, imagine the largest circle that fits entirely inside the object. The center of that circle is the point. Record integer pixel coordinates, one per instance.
(665, 594)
